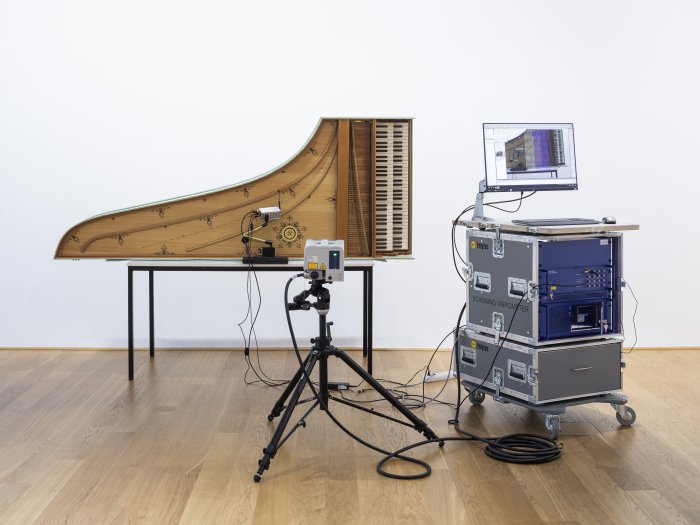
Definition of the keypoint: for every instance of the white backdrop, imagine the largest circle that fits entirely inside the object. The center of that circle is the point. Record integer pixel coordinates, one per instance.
(105, 105)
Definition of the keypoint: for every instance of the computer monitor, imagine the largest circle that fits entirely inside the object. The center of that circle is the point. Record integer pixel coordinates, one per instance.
(529, 157)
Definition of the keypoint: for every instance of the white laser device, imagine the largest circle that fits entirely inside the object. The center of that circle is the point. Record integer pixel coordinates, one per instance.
(324, 260)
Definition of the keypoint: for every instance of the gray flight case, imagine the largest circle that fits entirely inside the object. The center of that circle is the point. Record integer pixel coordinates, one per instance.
(544, 379)
(541, 290)
(541, 374)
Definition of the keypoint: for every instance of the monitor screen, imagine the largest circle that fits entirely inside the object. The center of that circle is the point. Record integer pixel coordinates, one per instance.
(525, 157)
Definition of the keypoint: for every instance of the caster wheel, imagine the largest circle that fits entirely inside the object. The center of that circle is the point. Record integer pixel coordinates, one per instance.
(629, 418)
(553, 424)
(270, 418)
(476, 398)
(256, 478)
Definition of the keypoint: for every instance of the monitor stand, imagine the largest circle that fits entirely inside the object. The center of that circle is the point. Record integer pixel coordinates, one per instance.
(479, 204)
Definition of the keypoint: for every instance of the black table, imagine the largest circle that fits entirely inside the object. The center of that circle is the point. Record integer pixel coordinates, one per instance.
(153, 266)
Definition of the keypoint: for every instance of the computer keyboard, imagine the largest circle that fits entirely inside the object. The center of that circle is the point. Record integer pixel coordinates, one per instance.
(572, 221)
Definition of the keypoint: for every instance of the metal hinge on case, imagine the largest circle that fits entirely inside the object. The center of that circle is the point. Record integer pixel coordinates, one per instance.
(468, 271)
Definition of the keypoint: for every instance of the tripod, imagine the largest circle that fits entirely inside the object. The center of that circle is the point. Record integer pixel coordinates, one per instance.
(319, 354)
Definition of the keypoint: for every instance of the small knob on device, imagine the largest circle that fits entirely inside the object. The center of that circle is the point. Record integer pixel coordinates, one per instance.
(313, 275)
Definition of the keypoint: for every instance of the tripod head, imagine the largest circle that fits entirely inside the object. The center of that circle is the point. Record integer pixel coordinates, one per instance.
(316, 289)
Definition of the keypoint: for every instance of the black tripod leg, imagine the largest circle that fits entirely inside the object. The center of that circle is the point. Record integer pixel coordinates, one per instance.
(271, 449)
(279, 405)
(420, 425)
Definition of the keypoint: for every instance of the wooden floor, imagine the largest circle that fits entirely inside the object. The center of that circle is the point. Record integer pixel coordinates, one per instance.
(79, 444)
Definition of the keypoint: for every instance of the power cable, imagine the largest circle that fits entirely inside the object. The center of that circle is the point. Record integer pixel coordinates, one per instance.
(634, 316)
(252, 277)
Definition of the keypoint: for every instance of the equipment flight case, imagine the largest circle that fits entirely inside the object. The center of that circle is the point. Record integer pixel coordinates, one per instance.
(544, 374)
(562, 287)
(544, 321)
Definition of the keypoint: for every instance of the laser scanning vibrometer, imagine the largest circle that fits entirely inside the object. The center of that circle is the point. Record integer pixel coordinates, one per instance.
(323, 260)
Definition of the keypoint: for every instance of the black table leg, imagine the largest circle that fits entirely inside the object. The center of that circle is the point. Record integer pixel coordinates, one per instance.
(130, 295)
(150, 314)
(364, 313)
(370, 286)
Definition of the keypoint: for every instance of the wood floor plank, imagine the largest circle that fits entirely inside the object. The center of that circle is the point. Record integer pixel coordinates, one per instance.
(223, 492)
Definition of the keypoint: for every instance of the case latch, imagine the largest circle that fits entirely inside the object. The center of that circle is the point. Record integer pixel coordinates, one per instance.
(498, 244)
(468, 271)
(532, 375)
(497, 383)
(498, 323)
(533, 290)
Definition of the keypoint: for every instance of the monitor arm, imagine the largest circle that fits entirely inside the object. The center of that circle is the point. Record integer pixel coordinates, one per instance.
(479, 204)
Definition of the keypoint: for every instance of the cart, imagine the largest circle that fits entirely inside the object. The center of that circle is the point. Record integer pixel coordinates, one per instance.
(625, 415)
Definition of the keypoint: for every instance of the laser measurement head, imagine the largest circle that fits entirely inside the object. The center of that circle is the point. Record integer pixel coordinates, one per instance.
(324, 260)
(271, 213)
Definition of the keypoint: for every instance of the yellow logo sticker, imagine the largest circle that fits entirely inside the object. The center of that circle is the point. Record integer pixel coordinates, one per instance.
(473, 244)
(473, 344)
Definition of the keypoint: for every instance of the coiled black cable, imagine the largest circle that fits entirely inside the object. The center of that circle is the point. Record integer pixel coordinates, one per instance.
(518, 448)
(525, 449)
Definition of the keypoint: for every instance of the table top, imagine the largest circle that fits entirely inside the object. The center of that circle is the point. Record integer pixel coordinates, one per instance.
(507, 226)
(235, 264)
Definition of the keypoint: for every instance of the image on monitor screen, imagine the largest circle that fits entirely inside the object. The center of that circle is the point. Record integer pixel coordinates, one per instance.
(522, 157)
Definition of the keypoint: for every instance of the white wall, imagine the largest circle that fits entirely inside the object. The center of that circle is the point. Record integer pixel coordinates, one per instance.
(105, 105)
